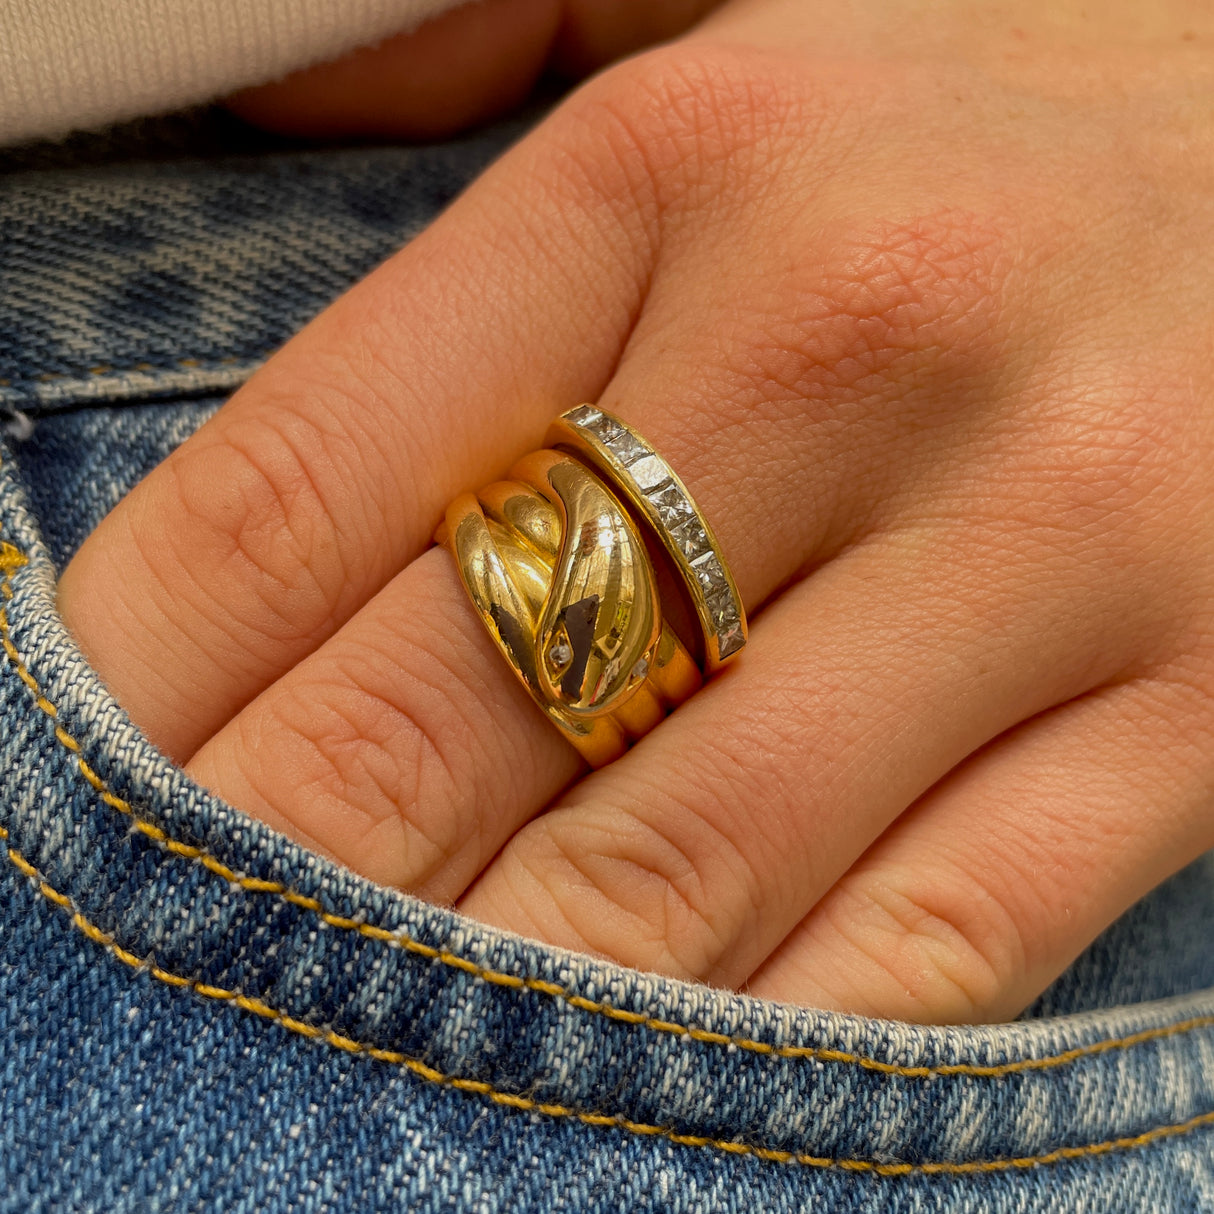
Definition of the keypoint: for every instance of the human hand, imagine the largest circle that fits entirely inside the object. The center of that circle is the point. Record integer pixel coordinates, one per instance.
(921, 311)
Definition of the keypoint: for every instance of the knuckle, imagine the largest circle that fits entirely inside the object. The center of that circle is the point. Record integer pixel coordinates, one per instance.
(1103, 476)
(904, 300)
(938, 949)
(364, 770)
(631, 892)
(258, 530)
(685, 121)
(887, 322)
(1101, 467)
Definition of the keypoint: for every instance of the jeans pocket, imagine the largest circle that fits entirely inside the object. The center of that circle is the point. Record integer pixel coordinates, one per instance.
(76, 464)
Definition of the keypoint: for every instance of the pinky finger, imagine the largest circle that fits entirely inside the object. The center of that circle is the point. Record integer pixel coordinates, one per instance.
(996, 879)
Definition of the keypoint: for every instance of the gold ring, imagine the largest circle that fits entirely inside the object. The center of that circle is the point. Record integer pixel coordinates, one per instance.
(559, 574)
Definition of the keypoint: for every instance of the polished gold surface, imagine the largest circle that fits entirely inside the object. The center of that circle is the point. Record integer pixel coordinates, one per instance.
(560, 577)
(653, 489)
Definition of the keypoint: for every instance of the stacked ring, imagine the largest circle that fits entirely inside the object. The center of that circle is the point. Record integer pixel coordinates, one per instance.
(556, 567)
(651, 486)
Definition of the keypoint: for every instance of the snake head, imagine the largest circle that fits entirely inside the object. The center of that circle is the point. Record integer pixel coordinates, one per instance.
(601, 617)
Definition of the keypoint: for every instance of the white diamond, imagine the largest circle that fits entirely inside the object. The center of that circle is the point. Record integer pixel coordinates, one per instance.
(605, 429)
(560, 654)
(627, 448)
(641, 669)
(731, 640)
(672, 505)
(723, 607)
(710, 575)
(584, 416)
(690, 537)
(724, 610)
(649, 473)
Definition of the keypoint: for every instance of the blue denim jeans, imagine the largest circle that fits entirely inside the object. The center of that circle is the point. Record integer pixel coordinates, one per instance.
(197, 1013)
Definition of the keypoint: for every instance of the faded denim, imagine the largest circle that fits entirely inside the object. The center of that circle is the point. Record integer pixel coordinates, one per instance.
(196, 1013)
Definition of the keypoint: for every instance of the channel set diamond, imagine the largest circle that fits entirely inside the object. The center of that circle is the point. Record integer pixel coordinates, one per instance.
(690, 537)
(671, 504)
(627, 448)
(605, 429)
(711, 577)
(650, 473)
(585, 416)
(730, 640)
(724, 610)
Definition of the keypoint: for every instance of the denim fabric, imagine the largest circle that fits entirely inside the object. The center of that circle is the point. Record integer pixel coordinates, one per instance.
(196, 1013)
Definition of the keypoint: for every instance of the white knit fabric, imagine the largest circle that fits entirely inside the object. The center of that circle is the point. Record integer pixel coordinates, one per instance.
(66, 64)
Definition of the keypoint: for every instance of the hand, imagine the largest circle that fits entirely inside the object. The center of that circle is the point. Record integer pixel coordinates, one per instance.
(920, 306)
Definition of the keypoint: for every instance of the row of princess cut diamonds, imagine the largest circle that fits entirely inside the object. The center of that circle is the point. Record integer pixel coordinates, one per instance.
(677, 515)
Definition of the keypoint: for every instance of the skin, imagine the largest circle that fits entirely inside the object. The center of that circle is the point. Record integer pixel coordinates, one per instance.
(917, 300)
(464, 66)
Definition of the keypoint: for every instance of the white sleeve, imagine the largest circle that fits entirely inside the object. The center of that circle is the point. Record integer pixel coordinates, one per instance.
(67, 64)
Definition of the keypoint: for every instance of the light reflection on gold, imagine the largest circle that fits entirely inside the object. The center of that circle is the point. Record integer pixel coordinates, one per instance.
(561, 579)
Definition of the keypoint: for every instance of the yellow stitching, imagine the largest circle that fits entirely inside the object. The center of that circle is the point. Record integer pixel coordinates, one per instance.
(12, 558)
(478, 1087)
(47, 377)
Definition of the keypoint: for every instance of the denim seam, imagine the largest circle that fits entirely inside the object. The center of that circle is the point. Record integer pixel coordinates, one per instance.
(511, 1100)
(12, 558)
